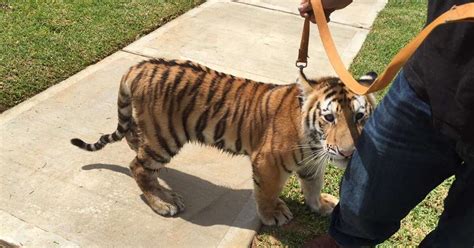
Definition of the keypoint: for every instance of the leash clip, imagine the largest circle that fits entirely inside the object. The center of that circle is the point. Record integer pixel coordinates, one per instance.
(301, 64)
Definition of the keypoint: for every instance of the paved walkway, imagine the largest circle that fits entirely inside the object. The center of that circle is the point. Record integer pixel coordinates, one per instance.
(52, 194)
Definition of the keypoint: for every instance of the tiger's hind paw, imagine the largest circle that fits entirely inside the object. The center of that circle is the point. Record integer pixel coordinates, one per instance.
(168, 204)
(177, 200)
(164, 208)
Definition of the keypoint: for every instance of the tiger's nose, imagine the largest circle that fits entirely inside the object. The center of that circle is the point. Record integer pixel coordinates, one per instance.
(346, 153)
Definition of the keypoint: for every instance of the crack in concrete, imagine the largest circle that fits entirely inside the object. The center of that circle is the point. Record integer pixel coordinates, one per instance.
(294, 14)
(36, 226)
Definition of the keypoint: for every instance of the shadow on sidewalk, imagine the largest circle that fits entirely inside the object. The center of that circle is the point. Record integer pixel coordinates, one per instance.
(207, 204)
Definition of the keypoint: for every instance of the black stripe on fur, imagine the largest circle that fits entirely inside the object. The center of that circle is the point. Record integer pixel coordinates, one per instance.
(78, 142)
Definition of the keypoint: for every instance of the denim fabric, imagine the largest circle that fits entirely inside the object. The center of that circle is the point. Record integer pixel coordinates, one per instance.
(399, 159)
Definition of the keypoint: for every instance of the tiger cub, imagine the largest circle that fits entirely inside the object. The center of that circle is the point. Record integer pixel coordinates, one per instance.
(163, 104)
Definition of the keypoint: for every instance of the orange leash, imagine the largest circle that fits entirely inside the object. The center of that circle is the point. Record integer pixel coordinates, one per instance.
(462, 13)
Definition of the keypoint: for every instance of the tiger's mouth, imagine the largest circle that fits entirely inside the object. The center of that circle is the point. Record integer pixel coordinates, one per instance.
(339, 161)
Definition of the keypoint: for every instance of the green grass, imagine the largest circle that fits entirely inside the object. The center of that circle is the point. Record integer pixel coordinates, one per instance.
(45, 42)
(394, 27)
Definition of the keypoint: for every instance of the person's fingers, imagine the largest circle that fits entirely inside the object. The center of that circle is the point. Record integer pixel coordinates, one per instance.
(329, 4)
(340, 4)
(327, 13)
(304, 8)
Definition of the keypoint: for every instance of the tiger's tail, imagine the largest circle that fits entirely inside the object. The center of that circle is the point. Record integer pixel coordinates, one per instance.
(124, 105)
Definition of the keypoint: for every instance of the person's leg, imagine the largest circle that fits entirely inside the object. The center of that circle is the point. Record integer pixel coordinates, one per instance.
(399, 159)
(456, 225)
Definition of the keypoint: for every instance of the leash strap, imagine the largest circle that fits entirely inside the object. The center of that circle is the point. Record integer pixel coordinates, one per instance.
(302, 60)
(462, 13)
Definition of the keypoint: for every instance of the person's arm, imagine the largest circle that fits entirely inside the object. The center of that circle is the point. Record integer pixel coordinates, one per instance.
(329, 6)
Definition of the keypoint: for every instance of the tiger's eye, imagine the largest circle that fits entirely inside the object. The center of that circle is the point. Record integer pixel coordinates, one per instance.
(359, 116)
(329, 117)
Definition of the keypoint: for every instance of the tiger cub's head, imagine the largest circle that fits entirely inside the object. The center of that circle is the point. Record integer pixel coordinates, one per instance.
(333, 117)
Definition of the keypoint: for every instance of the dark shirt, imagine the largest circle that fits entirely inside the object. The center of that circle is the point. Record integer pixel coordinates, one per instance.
(442, 73)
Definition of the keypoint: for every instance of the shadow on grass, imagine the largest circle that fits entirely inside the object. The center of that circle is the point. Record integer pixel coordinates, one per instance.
(305, 225)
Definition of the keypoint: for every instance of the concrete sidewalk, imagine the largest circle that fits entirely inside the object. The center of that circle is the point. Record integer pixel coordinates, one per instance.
(53, 194)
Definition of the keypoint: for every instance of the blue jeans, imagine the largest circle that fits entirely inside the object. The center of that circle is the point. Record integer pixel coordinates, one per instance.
(400, 158)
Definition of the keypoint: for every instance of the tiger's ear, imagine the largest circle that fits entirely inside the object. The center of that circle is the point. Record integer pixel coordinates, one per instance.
(368, 78)
(304, 83)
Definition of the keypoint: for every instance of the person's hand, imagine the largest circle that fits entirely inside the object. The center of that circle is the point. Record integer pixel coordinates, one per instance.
(329, 6)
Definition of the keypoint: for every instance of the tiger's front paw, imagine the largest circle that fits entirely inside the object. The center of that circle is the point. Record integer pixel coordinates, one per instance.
(326, 204)
(279, 215)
